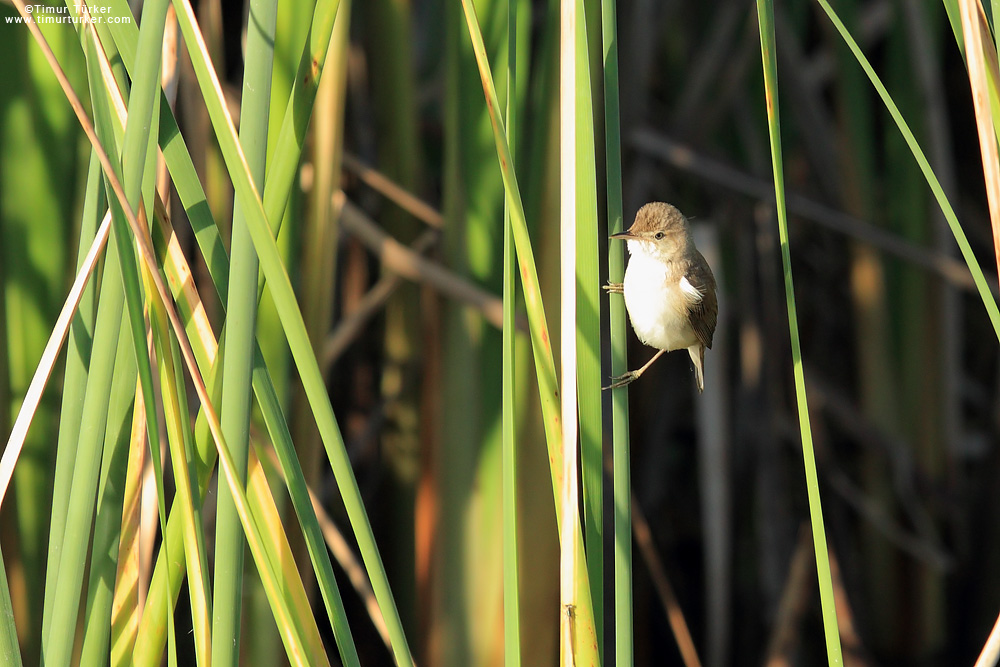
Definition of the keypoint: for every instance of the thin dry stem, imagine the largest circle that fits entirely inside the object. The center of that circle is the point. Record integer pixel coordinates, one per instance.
(350, 327)
(658, 573)
(399, 195)
(402, 260)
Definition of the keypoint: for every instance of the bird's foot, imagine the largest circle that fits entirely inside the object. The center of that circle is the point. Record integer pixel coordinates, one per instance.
(622, 380)
(614, 288)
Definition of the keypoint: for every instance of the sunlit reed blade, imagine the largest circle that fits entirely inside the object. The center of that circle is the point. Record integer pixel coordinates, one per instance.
(540, 343)
(339, 547)
(289, 632)
(991, 651)
(569, 524)
(949, 213)
(179, 274)
(975, 34)
(15, 442)
(292, 322)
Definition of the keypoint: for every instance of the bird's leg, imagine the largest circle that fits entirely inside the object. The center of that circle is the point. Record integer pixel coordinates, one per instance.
(632, 376)
(614, 288)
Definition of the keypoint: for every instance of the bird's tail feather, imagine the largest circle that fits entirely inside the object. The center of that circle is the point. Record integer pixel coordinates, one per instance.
(697, 353)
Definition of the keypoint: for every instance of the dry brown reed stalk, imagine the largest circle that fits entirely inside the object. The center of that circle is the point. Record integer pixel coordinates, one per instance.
(401, 260)
(658, 573)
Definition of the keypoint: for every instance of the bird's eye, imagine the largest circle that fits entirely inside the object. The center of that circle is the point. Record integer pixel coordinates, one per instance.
(659, 235)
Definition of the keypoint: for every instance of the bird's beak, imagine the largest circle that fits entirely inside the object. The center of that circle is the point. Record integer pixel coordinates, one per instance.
(623, 235)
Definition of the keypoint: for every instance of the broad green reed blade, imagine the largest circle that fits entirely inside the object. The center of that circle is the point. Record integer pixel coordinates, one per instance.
(622, 504)
(291, 34)
(104, 552)
(188, 186)
(141, 148)
(281, 440)
(103, 115)
(107, 128)
(541, 345)
(284, 162)
(765, 18)
(588, 324)
(949, 213)
(544, 362)
(284, 622)
(150, 644)
(57, 645)
(241, 314)
(74, 384)
(295, 331)
(138, 159)
(468, 456)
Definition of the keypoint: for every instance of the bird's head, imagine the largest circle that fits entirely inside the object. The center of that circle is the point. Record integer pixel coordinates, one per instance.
(659, 230)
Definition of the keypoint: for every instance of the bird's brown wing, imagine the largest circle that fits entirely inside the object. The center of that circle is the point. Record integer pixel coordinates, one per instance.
(703, 313)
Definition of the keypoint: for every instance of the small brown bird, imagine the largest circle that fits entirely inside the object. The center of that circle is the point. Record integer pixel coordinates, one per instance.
(669, 288)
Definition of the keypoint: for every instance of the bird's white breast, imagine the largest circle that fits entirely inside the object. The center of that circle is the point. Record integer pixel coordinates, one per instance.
(658, 299)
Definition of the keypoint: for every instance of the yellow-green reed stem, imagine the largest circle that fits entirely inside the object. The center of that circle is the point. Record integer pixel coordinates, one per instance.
(511, 614)
(588, 322)
(74, 385)
(175, 417)
(765, 17)
(134, 151)
(619, 346)
(291, 319)
(538, 329)
(107, 522)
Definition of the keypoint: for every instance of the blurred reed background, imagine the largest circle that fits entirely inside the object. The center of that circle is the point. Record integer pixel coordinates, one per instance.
(393, 239)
